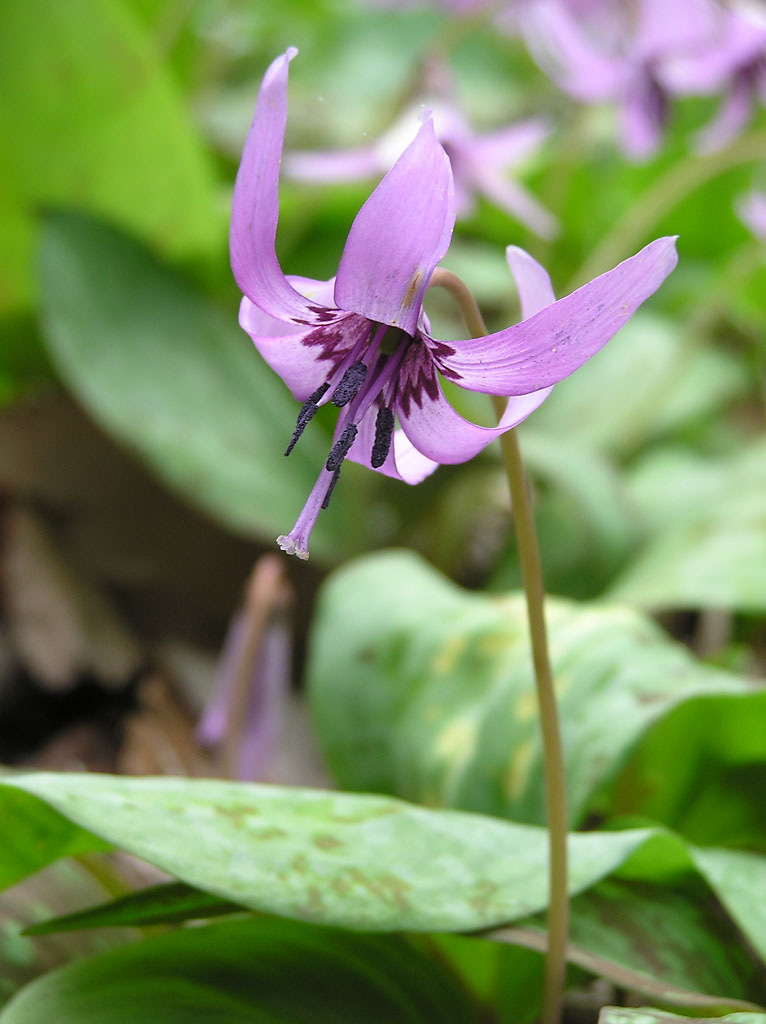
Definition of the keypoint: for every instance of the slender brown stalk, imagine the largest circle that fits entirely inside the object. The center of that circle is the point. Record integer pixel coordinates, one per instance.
(553, 760)
(263, 592)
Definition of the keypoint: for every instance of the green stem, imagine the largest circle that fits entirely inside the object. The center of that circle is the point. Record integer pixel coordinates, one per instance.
(553, 760)
(663, 194)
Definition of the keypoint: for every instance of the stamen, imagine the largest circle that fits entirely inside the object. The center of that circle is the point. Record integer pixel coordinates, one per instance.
(384, 432)
(307, 410)
(350, 383)
(340, 449)
(331, 488)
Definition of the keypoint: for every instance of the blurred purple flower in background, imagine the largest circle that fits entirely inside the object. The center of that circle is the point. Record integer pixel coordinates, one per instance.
(480, 163)
(751, 210)
(244, 718)
(361, 341)
(639, 56)
(730, 63)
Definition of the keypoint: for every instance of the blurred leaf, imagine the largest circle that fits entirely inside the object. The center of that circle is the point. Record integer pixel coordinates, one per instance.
(424, 690)
(613, 930)
(647, 381)
(581, 515)
(645, 1015)
(670, 943)
(270, 971)
(712, 552)
(700, 769)
(174, 378)
(167, 903)
(55, 890)
(35, 835)
(89, 116)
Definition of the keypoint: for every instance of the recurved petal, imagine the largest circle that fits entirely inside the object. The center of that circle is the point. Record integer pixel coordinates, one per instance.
(399, 236)
(304, 357)
(532, 281)
(433, 426)
(255, 204)
(553, 343)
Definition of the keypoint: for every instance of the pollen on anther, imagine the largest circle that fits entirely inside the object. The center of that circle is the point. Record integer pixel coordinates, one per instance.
(349, 384)
(341, 448)
(384, 431)
(305, 413)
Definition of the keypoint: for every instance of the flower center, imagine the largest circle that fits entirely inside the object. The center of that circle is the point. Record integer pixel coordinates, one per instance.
(365, 377)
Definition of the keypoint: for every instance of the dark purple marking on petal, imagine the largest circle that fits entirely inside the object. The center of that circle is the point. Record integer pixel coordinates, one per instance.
(384, 432)
(417, 375)
(449, 374)
(325, 315)
(350, 383)
(440, 349)
(339, 450)
(330, 342)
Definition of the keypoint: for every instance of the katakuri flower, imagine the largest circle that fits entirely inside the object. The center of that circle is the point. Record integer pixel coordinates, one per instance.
(605, 52)
(732, 63)
(361, 341)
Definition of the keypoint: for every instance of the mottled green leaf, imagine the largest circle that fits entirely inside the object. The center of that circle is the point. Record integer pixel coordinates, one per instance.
(377, 864)
(424, 690)
(646, 1015)
(175, 379)
(265, 971)
(90, 116)
(356, 861)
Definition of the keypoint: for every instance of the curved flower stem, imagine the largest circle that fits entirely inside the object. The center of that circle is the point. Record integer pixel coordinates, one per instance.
(553, 760)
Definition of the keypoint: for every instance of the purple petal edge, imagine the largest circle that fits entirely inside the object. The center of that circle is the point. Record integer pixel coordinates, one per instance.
(556, 341)
(255, 203)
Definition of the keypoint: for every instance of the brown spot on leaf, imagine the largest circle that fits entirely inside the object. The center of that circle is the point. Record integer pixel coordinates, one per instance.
(269, 833)
(300, 863)
(327, 842)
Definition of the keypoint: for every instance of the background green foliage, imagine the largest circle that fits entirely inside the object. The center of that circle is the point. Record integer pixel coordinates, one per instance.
(121, 123)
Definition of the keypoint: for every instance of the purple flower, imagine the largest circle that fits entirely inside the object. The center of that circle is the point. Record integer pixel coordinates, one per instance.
(480, 163)
(732, 62)
(361, 341)
(606, 52)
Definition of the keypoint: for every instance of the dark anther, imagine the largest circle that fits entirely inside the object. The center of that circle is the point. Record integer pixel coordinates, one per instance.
(340, 449)
(331, 488)
(384, 432)
(307, 410)
(350, 383)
